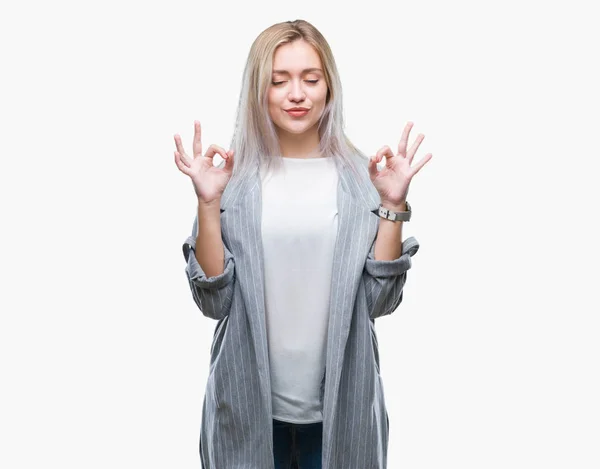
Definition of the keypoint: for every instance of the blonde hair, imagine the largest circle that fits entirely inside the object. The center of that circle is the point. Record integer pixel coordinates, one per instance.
(255, 139)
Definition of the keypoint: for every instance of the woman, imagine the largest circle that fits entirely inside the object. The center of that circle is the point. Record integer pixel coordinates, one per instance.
(292, 255)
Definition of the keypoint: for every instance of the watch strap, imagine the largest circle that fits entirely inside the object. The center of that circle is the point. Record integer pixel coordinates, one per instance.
(395, 216)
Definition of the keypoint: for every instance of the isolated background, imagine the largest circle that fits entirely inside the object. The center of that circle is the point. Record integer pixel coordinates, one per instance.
(492, 359)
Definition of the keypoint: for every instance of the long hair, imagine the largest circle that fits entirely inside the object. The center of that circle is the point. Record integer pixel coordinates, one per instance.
(255, 139)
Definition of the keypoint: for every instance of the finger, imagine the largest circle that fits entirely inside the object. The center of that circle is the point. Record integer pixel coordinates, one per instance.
(183, 160)
(197, 147)
(404, 139)
(417, 167)
(229, 163)
(373, 167)
(214, 149)
(179, 147)
(180, 164)
(415, 146)
(387, 152)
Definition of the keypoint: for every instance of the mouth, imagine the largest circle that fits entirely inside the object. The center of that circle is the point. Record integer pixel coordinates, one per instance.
(298, 112)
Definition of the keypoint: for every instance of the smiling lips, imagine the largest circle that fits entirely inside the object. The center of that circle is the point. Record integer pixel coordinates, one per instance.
(297, 111)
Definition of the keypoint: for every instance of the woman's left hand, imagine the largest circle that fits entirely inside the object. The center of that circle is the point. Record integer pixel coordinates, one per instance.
(392, 181)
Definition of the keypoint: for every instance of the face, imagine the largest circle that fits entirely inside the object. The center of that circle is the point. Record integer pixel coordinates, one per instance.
(297, 81)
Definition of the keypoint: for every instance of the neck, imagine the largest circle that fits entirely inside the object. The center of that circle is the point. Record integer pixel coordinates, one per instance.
(305, 145)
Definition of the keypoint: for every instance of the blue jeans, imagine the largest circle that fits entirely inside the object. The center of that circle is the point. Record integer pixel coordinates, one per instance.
(297, 445)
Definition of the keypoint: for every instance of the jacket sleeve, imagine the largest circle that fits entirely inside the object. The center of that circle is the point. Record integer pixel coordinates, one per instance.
(213, 295)
(384, 280)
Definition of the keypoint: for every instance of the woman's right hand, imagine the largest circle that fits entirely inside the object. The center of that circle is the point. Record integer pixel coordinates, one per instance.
(209, 181)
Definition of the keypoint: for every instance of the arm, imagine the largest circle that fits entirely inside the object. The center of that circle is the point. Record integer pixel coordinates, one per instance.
(389, 236)
(211, 267)
(386, 266)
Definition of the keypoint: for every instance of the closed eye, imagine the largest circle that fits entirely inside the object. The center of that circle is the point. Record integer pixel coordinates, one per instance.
(314, 82)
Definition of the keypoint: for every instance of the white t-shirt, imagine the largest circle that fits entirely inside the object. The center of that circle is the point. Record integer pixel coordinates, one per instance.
(299, 230)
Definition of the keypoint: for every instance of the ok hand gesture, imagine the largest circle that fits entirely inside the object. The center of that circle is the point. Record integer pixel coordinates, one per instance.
(209, 181)
(393, 180)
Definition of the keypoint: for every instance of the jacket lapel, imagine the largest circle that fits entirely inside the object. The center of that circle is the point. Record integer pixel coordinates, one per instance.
(357, 230)
(241, 216)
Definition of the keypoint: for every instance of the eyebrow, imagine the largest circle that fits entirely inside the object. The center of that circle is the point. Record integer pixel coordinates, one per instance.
(306, 70)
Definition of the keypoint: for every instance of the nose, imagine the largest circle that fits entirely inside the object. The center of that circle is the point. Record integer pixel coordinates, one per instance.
(296, 92)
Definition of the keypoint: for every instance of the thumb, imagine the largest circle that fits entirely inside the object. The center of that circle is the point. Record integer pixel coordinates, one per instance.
(229, 162)
(373, 167)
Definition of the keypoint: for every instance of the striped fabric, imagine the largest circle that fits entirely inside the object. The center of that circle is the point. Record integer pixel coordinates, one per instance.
(236, 423)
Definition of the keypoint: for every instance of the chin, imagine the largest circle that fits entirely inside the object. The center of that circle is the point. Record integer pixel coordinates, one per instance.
(297, 130)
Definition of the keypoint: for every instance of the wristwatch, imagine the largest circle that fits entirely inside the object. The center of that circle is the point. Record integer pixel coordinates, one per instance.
(395, 216)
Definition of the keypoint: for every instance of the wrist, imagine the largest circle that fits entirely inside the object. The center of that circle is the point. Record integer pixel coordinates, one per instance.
(395, 207)
(210, 203)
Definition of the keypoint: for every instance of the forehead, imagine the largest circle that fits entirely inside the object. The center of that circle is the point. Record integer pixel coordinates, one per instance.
(296, 57)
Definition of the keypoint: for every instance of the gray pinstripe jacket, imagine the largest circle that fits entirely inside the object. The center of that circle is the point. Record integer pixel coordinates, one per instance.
(236, 423)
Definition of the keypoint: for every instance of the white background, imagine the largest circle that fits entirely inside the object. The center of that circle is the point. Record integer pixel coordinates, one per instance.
(492, 359)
